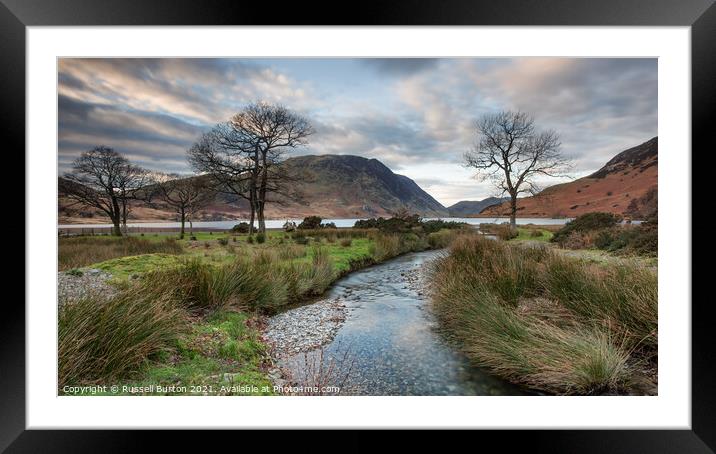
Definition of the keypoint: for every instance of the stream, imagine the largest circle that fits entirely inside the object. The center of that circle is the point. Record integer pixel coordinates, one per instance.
(388, 344)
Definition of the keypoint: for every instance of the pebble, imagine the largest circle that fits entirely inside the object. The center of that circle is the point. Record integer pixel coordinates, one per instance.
(304, 328)
(71, 287)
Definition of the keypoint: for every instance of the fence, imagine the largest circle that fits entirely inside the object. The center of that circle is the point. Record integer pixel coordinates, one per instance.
(74, 231)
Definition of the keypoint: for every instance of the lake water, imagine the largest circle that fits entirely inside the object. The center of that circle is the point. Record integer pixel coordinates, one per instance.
(388, 344)
(278, 223)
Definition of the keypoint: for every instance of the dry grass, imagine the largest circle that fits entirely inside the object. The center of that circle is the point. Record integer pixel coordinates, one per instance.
(82, 251)
(104, 340)
(547, 322)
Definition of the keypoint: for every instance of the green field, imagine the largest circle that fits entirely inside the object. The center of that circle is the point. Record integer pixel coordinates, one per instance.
(210, 293)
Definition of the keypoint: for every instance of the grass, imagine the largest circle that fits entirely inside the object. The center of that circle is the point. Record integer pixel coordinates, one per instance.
(82, 251)
(220, 355)
(549, 322)
(533, 234)
(190, 317)
(104, 340)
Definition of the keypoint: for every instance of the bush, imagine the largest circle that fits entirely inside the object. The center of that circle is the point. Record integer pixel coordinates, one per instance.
(402, 224)
(438, 224)
(536, 233)
(346, 242)
(261, 238)
(223, 241)
(250, 239)
(329, 225)
(310, 222)
(586, 223)
(241, 227)
(100, 341)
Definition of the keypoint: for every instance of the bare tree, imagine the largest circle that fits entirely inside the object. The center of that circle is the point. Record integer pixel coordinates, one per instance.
(131, 187)
(103, 179)
(268, 132)
(511, 153)
(186, 196)
(224, 156)
(243, 155)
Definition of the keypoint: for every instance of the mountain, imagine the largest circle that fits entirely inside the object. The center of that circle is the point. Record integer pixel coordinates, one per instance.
(332, 186)
(466, 208)
(626, 185)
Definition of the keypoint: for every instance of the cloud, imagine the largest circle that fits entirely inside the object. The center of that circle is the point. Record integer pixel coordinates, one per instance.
(400, 66)
(415, 115)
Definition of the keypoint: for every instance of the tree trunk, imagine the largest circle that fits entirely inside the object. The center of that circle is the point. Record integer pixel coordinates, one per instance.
(183, 219)
(116, 228)
(513, 211)
(262, 194)
(116, 218)
(252, 204)
(262, 221)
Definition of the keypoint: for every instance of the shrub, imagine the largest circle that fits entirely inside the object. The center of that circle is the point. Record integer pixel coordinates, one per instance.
(75, 272)
(250, 239)
(329, 225)
(99, 341)
(396, 224)
(310, 222)
(346, 242)
(586, 223)
(536, 233)
(241, 227)
(223, 241)
(438, 224)
(260, 237)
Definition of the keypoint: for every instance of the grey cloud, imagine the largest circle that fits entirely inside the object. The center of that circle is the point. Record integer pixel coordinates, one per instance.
(401, 66)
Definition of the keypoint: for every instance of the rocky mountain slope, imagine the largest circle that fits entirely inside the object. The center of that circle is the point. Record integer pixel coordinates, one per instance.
(331, 186)
(626, 185)
(466, 208)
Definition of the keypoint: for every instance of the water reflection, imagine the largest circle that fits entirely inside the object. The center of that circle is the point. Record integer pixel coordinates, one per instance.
(389, 340)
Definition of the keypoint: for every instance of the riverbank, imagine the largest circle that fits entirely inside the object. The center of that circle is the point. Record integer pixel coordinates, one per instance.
(194, 317)
(554, 323)
(386, 342)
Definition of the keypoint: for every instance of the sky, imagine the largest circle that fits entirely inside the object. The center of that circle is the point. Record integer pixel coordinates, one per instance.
(416, 115)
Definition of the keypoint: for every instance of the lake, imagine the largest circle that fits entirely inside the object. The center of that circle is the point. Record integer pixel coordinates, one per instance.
(278, 223)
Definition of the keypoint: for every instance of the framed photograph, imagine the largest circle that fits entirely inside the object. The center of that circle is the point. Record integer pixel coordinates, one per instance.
(413, 216)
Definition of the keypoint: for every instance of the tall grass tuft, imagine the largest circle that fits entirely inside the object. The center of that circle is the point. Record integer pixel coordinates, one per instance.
(102, 340)
(546, 321)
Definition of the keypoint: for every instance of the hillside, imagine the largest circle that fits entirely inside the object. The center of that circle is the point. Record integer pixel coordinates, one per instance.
(466, 208)
(332, 186)
(626, 185)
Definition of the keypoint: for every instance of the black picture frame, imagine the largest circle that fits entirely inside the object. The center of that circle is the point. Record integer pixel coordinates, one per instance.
(700, 15)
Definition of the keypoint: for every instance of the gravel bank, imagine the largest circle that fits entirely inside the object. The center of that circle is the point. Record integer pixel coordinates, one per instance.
(304, 328)
(71, 287)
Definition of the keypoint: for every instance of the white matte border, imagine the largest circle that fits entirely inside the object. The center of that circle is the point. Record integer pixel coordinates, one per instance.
(670, 409)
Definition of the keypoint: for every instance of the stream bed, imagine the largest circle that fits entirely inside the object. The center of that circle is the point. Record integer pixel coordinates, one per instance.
(380, 338)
